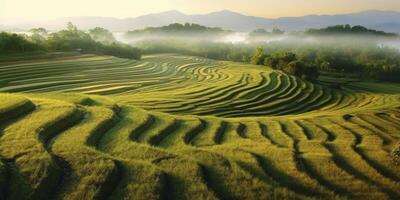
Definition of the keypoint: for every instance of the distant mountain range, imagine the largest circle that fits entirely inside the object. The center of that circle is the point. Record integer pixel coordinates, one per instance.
(388, 21)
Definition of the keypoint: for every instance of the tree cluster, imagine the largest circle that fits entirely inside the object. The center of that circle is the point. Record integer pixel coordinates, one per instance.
(16, 43)
(348, 55)
(179, 28)
(288, 62)
(348, 29)
(263, 33)
(102, 35)
(176, 29)
(97, 41)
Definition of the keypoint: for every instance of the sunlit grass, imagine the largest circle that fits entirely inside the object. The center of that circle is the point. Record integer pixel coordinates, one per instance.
(177, 127)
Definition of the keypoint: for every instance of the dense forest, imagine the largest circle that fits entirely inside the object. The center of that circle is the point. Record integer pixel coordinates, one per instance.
(97, 41)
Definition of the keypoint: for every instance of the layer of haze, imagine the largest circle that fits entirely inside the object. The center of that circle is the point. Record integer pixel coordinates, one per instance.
(50, 9)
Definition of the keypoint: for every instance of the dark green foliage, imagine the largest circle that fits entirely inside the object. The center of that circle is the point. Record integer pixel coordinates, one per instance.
(70, 39)
(358, 56)
(310, 73)
(4, 175)
(3, 83)
(289, 63)
(347, 29)
(271, 61)
(10, 42)
(120, 50)
(295, 67)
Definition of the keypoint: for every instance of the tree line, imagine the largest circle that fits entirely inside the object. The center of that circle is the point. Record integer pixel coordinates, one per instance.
(363, 57)
(294, 56)
(97, 41)
(288, 62)
(348, 29)
(264, 33)
(177, 28)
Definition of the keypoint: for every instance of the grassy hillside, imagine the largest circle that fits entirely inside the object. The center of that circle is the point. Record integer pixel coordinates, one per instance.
(176, 127)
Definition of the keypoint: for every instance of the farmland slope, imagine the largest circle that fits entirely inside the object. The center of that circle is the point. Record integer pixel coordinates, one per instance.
(177, 127)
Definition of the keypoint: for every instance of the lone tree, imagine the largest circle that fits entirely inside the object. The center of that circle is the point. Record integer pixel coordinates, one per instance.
(259, 56)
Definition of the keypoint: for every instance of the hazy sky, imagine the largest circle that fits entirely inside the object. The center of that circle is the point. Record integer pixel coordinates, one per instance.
(49, 9)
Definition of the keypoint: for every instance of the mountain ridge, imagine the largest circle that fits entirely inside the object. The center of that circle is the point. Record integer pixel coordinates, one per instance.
(227, 19)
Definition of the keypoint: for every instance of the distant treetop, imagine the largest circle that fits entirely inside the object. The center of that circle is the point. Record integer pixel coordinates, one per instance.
(179, 28)
(262, 32)
(102, 35)
(348, 29)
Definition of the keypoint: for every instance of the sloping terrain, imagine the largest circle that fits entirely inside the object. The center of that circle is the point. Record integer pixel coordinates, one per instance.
(176, 127)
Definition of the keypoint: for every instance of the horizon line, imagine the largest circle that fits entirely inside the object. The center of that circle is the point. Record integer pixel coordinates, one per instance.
(210, 12)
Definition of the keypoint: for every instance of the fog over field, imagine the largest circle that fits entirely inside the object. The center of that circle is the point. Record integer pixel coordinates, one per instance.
(391, 43)
(243, 38)
(239, 38)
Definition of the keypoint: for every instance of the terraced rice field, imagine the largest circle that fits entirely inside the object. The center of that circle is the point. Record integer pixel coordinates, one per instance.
(176, 127)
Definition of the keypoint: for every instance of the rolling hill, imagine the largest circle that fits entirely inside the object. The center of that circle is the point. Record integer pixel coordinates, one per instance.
(179, 127)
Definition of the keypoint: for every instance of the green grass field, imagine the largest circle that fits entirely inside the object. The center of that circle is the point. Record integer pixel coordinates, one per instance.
(178, 127)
